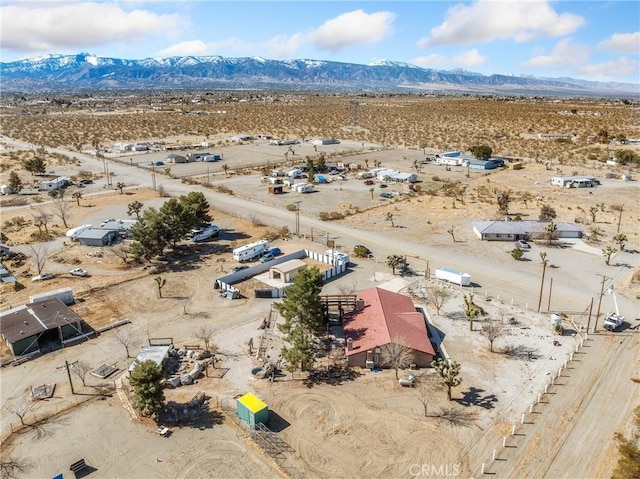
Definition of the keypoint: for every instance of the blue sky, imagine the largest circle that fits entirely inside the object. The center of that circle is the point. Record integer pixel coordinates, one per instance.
(593, 40)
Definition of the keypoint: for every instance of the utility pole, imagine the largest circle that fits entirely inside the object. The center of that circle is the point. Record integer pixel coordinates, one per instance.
(543, 256)
(589, 320)
(604, 278)
(297, 203)
(67, 366)
(619, 218)
(550, 288)
(153, 176)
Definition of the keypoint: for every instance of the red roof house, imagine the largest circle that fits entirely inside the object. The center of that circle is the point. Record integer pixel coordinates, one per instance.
(385, 317)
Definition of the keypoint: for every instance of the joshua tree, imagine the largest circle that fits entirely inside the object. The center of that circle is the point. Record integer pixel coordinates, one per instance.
(607, 253)
(390, 218)
(470, 310)
(134, 208)
(547, 213)
(393, 261)
(160, 281)
(120, 186)
(452, 233)
(595, 233)
(225, 168)
(371, 190)
(449, 372)
(77, 196)
(594, 211)
(504, 198)
(621, 240)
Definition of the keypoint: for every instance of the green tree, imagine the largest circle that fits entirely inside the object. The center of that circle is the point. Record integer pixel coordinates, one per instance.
(627, 156)
(393, 261)
(607, 253)
(148, 392)
(311, 170)
(120, 186)
(449, 372)
(547, 213)
(15, 183)
(621, 240)
(470, 310)
(482, 152)
(517, 253)
(196, 209)
(35, 165)
(151, 235)
(175, 218)
(134, 208)
(304, 319)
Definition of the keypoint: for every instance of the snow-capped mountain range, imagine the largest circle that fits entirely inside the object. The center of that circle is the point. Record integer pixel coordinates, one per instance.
(85, 71)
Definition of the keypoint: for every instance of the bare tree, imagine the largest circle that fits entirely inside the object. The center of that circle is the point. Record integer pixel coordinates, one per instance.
(124, 337)
(396, 354)
(81, 369)
(390, 218)
(122, 251)
(492, 331)
(425, 389)
(438, 296)
(452, 233)
(61, 209)
(205, 333)
(39, 256)
(13, 468)
(41, 218)
(21, 409)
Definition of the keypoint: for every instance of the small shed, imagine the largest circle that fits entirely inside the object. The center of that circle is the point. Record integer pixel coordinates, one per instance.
(276, 190)
(252, 410)
(97, 237)
(287, 271)
(63, 294)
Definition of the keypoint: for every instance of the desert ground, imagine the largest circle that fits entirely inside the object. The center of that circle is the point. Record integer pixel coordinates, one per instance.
(368, 426)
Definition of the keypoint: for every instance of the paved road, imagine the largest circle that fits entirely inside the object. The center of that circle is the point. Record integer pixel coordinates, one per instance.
(595, 398)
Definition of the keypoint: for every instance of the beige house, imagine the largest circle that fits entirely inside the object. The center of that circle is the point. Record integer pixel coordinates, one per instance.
(287, 271)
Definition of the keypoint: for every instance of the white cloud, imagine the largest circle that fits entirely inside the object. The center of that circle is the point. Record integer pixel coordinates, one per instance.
(344, 31)
(352, 28)
(193, 47)
(470, 58)
(430, 61)
(488, 20)
(563, 53)
(54, 27)
(283, 46)
(612, 69)
(198, 47)
(622, 43)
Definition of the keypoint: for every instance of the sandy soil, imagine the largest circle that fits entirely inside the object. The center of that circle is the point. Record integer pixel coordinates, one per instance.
(368, 427)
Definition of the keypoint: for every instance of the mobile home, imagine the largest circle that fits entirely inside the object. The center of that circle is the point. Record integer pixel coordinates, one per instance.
(250, 251)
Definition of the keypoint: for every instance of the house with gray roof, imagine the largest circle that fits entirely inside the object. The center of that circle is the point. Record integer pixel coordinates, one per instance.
(516, 230)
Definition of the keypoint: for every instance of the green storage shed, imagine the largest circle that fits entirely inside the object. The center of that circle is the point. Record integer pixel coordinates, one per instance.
(252, 410)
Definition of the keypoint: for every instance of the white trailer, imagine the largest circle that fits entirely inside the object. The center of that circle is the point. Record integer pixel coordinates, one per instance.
(453, 276)
(250, 251)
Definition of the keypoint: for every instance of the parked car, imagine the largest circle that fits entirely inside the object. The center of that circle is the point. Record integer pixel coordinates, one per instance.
(522, 244)
(368, 182)
(239, 268)
(78, 272)
(42, 277)
(383, 185)
(271, 254)
(86, 182)
(386, 195)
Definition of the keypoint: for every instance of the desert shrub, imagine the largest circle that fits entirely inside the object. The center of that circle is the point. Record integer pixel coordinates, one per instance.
(256, 221)
(435, 178)
(291, 207)
(334, 215)
(223, 189)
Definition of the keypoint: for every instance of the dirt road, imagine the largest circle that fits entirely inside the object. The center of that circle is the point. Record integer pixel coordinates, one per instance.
(570, 432)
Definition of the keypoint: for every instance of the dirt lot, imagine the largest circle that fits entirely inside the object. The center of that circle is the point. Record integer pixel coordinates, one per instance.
(368, 427)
